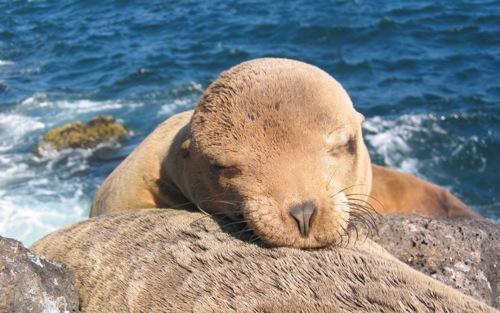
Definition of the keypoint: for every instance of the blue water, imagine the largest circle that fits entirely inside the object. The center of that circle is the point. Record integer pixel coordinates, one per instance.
(425, 74)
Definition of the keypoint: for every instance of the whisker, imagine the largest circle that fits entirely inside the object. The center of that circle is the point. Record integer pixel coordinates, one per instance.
(346, 232)
(218, 201)
(329, 181)
(180, 205)
(254, 238)
(341, 243)
(235, 223)
(341, 236)
(220, 215)
(370, 206)
(358, 208)
(241, 232)
(361, 208)
(366, 207)
(346, 189)
(364, 212)
(363, 221)
(369, 196)
(360, 214)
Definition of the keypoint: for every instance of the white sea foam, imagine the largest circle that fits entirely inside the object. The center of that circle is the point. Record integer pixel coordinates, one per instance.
(389, 138)
(62, 111)
(29, 215)
(14, 127)
(191, 86)
(6, 62)
(183, 102)
(177, 105)
(39, 194)
(36, 198)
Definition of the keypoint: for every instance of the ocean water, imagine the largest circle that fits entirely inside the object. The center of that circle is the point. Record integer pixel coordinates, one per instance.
(425, 74)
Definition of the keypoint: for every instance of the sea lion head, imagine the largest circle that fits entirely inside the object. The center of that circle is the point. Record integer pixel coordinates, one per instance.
(278, 143)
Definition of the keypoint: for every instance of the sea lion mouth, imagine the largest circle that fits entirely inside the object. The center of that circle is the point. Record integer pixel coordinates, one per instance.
(303, 225)
(300, 226)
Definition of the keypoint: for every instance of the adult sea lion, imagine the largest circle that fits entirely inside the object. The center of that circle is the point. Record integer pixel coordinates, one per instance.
(275, 143)
(178, 261)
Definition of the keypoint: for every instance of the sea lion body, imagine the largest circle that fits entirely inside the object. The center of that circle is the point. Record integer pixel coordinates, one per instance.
(399, 192)
(274, 143)
(178, 261)
(124, 189)
(145, 179)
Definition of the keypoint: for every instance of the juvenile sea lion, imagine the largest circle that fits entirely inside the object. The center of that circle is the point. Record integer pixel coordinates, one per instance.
(399, 192)
(275, 143)
(178, 261)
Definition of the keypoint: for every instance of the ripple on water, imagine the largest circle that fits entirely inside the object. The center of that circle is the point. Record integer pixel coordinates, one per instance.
(424, 73)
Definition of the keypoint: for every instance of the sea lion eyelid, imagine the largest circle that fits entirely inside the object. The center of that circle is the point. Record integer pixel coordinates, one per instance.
(348, 144)
(339, 137)
(226, 171)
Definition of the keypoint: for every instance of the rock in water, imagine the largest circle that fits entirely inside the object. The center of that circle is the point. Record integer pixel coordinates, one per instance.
(462, 253)
(31, 283)
(79, 135)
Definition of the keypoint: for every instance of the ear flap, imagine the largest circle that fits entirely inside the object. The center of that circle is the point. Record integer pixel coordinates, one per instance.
(361, 118)
(185, 148)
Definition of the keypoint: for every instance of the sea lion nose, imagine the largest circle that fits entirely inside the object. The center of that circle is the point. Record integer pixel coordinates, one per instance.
(302, 214)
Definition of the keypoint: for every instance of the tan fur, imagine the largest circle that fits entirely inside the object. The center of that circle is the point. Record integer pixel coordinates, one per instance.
(267, 135)
(138, 181)
(177, 261)
(399, 192)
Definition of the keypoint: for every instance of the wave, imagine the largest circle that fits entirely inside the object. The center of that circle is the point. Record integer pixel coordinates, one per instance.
(14, 127)
(27, 218)
(389, 139)
(69, 110)
(38, 195)
(428, 145)
(175, 106)
(6, 62)
(185, 98)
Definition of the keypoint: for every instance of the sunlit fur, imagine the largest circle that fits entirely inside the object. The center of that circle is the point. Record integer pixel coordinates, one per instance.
(266, 136)
(285, 125)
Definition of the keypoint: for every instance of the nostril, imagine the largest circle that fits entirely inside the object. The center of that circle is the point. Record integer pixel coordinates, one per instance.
(302, 214)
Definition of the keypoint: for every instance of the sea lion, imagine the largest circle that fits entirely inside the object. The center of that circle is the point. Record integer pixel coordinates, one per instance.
(178, 261)
(399, 192)
(275, 143)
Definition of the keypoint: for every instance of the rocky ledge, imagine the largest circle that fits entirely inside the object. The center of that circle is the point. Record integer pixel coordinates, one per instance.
(79, 135)
(462, 253)
(30, 283)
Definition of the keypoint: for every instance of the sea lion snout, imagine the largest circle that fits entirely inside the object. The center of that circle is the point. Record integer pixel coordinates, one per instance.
(302, 214)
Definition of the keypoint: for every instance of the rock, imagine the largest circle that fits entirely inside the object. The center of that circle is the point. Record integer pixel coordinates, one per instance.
(31, 283)
(79, 135)
(462, 253)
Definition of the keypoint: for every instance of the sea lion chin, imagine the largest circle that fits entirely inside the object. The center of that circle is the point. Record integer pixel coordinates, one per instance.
(275, 144)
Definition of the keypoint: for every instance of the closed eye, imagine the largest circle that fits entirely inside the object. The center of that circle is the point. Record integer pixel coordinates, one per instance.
(225, 171)
(349, 146)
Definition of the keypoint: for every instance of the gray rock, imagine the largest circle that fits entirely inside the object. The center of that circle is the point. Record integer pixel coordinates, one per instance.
(462, 253)
(31, 283)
